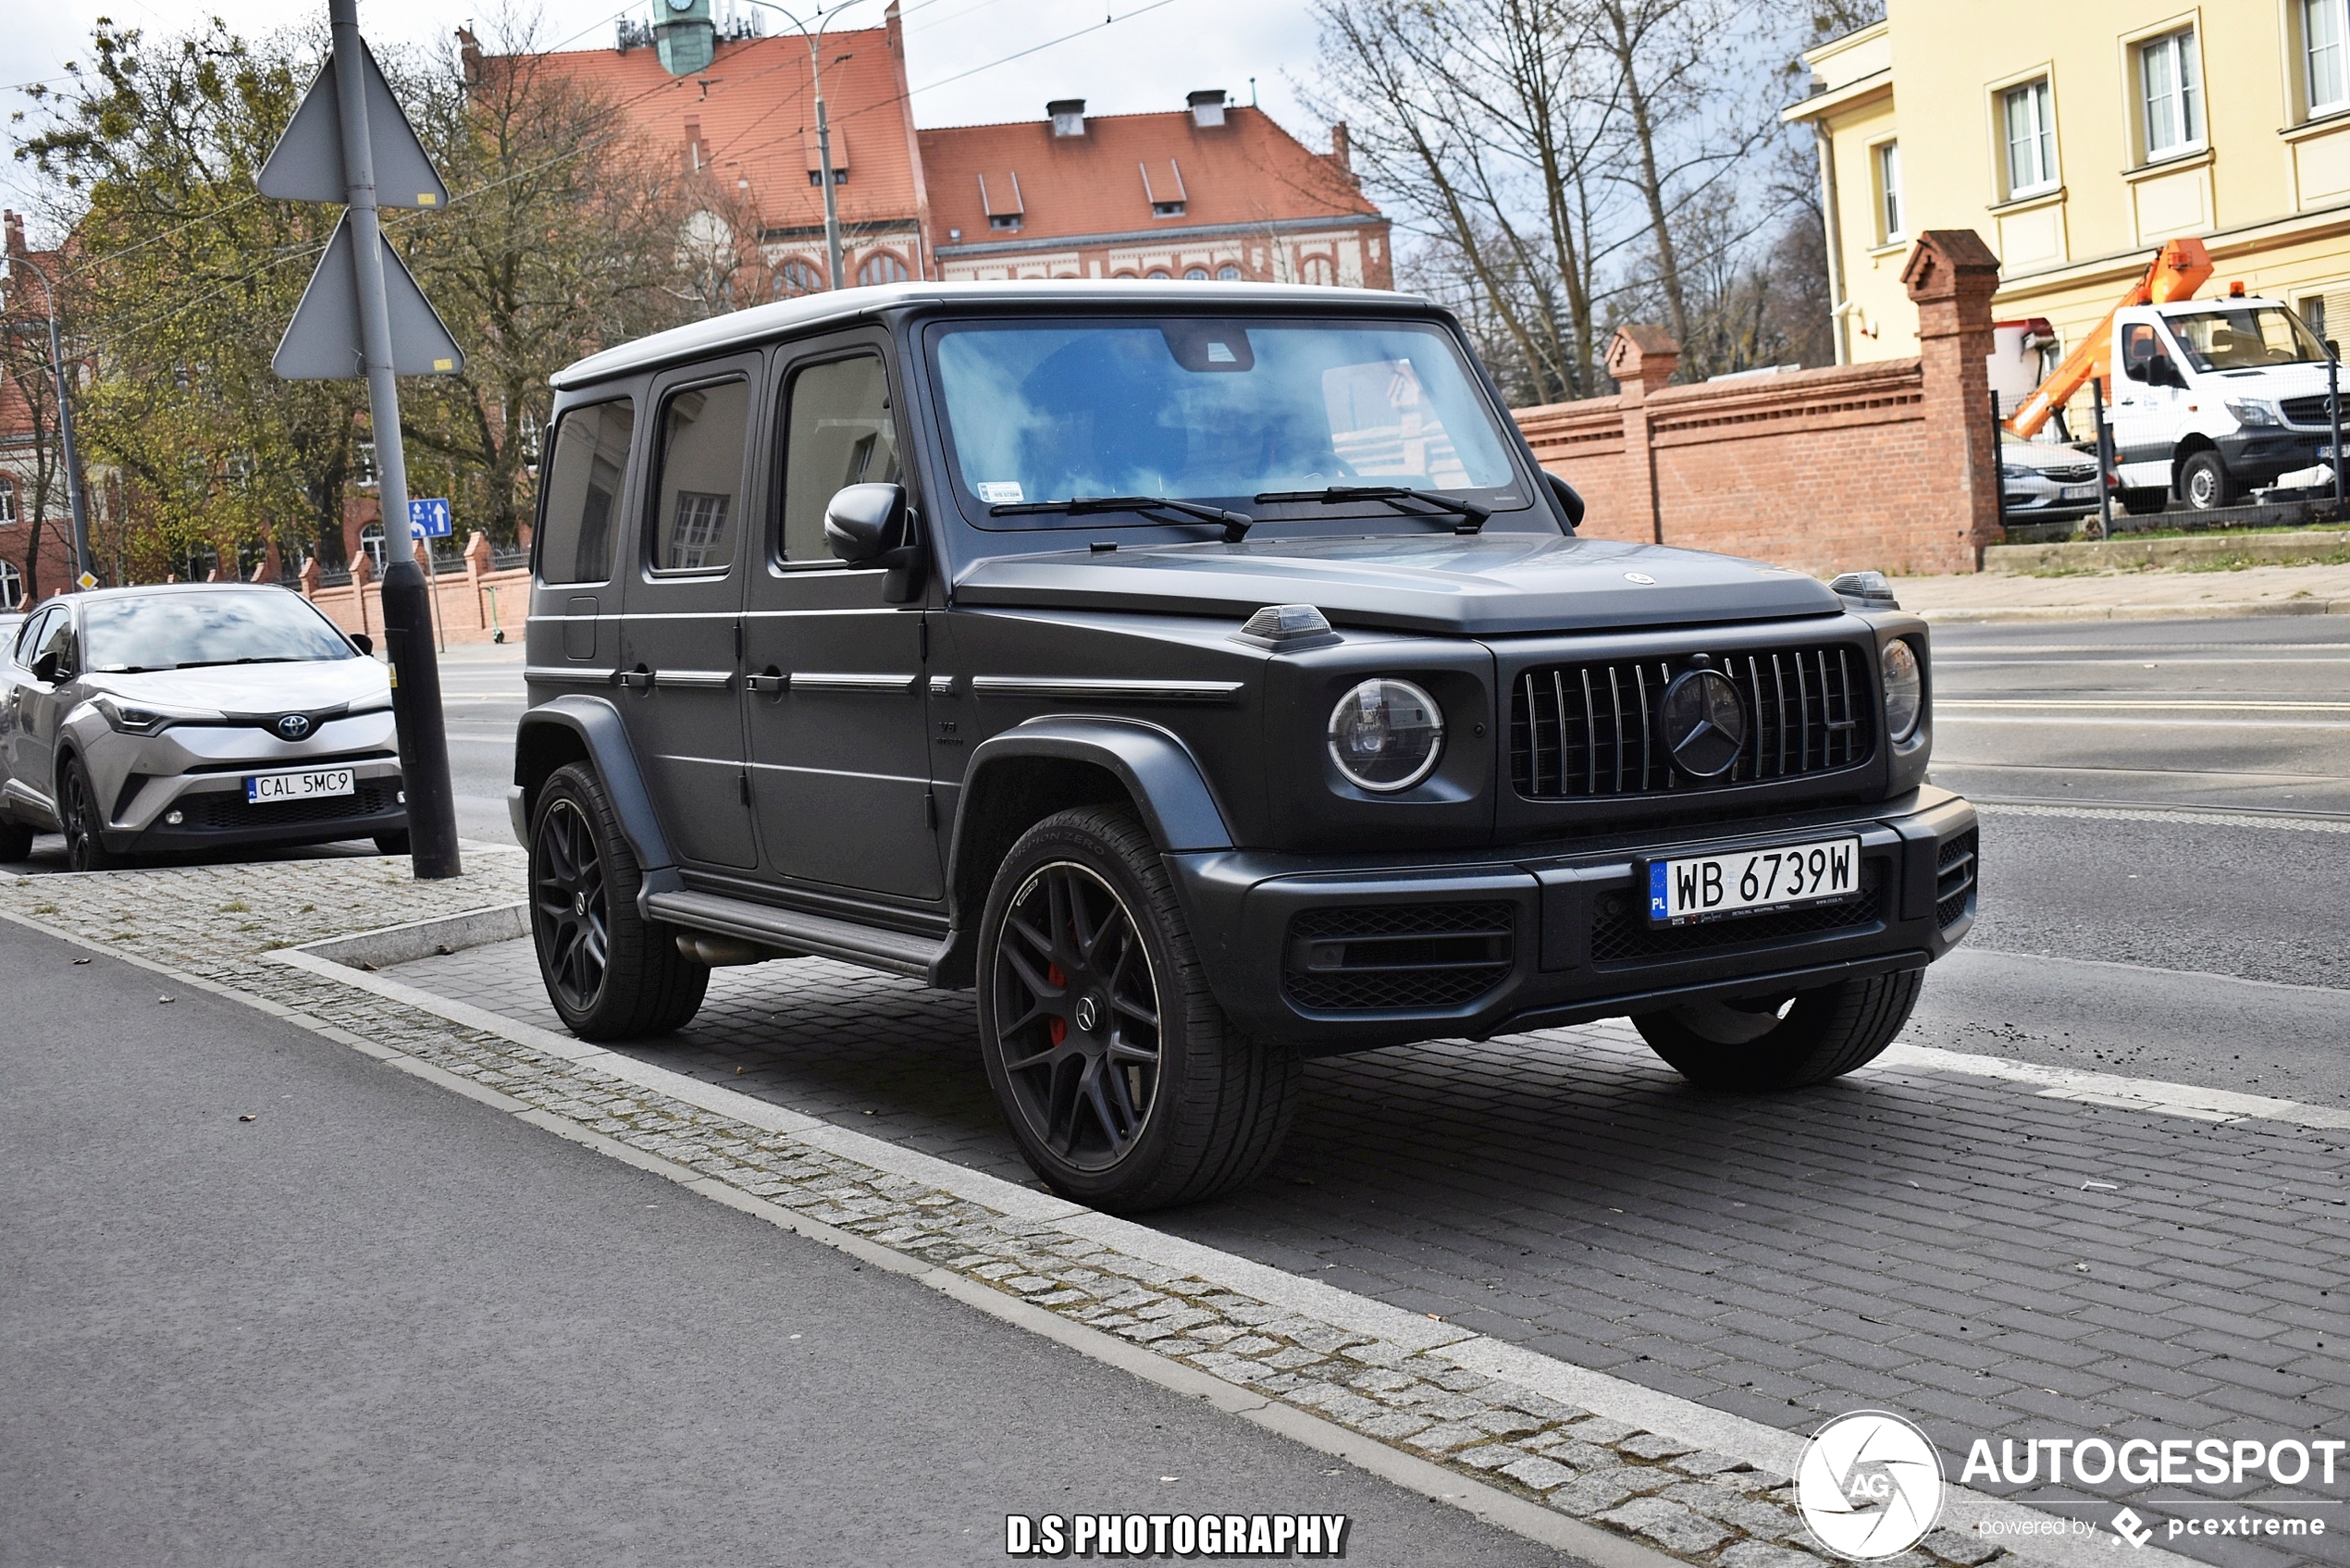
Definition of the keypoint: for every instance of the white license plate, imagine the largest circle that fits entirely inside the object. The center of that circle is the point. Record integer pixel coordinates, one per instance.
(1754, 881)
(2080, 492)
(264, 789)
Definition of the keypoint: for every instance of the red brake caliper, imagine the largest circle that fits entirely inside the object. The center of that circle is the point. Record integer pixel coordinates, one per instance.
(1056, 1028)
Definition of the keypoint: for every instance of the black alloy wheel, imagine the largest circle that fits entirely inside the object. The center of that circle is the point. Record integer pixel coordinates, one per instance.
(568, 894)
(609, 973)
(1080, 1011)
(85, 851)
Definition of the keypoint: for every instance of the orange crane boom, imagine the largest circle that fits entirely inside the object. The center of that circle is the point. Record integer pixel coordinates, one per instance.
(2181, 268)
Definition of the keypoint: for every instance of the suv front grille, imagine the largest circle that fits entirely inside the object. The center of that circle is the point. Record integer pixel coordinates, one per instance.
(1621, 933)
(1954, 870)
(1398, 957)
(1586, 731)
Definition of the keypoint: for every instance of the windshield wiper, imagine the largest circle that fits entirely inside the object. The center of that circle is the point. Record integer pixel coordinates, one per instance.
(1236, 525)
(216, 663)
(1471, 515)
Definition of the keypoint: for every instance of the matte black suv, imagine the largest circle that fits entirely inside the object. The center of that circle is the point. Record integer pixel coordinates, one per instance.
(1209, 676)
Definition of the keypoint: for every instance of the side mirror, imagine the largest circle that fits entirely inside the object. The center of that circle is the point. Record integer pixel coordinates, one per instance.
(363, 642)
(1570, 500)
(862, 522)
(45, 668)
(2163, 372)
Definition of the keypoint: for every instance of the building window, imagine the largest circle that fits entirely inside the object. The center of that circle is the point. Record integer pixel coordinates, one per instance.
(11, 586)
(816, 177)
(1888, 193)
(882, 266)
(1228, 273)
(1167, 209)
(371, 540)
(798, 275)
(7, 500)
(1159, 274)
(2169, 78)
(1006, 223)
(363, 464)
(2029, 119)
(1317, 269)
(1195, 275)
(2325, 42)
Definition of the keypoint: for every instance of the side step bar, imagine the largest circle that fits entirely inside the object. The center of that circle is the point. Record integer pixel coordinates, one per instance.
(897, 952)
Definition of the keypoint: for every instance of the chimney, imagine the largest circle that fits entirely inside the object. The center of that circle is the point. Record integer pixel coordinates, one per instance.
(1207, 106)
(1342, 154)
(1068, 115)
(469, 54)
(14, 221)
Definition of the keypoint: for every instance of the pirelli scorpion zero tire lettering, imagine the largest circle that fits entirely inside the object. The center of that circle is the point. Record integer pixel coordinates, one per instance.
(611, 974)
(1783, 1043)
(1124, 1082)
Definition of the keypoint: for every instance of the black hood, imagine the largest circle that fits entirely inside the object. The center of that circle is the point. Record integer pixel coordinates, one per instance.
(1441, 583)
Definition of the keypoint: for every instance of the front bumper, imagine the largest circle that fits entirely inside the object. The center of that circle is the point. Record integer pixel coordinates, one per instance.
(214, 813)
(1515, 941)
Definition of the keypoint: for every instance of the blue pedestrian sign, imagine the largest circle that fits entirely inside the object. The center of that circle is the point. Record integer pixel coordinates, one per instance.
(428, 518)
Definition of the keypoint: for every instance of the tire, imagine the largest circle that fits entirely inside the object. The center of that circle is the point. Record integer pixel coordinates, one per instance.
(77, 808)
(610, 973)
(1125, 1084)
(1757, 1047)
(2144, 503)
(2205, 483)
(16, 840)
(392, 843)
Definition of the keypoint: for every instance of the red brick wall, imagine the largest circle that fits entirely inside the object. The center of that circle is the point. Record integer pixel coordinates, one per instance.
(1840, 469)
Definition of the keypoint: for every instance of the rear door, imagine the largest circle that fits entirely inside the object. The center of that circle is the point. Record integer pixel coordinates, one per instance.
(573, 637)
(839, 757)
(680, 653)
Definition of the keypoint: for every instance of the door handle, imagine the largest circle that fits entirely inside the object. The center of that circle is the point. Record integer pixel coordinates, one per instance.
(770, 681)
(638, 679)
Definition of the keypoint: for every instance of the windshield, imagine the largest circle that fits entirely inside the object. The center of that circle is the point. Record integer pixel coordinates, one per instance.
(173, 631)
(1210, 409)
(2246, 338)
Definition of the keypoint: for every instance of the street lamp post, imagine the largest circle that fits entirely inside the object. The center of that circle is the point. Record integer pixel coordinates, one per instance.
(76, 501)
(823, 131)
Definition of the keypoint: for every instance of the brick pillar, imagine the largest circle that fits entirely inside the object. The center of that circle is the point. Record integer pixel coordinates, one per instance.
(308, 578)
(363, 571)
(477, 562)
(1643, 359)
(1951, 276)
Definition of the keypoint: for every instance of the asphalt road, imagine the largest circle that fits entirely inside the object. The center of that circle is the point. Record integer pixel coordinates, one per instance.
(267, 1301)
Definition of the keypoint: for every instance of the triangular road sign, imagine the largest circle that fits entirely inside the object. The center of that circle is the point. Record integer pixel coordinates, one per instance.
(307, 164)
(323, 344)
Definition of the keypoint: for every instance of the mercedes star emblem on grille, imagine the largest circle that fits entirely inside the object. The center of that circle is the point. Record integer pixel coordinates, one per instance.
(1705, 724)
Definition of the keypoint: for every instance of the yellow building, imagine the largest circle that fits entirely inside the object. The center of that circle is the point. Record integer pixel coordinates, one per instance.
(2075, 138)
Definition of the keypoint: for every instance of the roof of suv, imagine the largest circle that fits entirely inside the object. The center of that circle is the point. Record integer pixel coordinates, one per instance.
(762, 322)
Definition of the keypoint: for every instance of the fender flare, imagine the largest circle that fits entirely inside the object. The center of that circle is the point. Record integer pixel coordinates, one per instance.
(601, 734)
(1166, 781)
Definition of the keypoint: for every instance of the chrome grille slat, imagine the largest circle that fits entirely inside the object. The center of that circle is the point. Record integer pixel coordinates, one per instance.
(1809, 711)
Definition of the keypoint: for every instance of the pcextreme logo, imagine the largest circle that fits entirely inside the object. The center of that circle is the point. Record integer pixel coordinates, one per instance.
(1868, 1486)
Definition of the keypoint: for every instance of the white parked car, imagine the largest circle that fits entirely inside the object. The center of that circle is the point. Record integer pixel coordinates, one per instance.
(193, 716)
(2047, 479)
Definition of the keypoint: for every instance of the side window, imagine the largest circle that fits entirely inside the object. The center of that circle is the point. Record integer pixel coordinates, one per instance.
(583, 490)
(2138, 345)
(57, 636)
(840, 432)
(697, 504)
(28, 647)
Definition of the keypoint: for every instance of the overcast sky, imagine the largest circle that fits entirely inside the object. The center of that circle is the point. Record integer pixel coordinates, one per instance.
(1147, 59)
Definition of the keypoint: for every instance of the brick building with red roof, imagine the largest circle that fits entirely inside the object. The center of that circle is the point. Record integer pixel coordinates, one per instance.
(29, 521)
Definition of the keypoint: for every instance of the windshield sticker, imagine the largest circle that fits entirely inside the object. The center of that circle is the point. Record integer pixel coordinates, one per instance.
(1222, 354)
(999, 494)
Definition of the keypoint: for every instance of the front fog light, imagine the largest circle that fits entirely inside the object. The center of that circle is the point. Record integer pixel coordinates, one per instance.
(175, 817)
(1386, 736)
(1904, 689)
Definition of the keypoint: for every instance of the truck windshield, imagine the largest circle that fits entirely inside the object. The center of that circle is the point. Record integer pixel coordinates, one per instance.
(2245, 338)
(1220, 410)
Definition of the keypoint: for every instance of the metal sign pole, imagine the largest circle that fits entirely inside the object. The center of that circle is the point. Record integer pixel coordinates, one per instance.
(415, 674)
(2105, 458)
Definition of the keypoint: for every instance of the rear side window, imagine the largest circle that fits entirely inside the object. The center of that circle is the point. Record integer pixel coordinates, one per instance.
(841, 433)
(699, 501)
(583, 491)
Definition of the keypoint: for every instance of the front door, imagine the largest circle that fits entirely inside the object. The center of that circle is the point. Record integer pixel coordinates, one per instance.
(2147, 414)
(34, 706)
(680, 651)
(839, 757)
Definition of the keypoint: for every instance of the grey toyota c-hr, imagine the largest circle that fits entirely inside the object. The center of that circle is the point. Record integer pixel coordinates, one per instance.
(190, 717)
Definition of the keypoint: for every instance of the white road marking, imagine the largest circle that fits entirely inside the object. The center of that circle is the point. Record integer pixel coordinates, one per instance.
(2152, 814)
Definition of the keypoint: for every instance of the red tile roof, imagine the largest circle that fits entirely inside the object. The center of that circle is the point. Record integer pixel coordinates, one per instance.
(1247, 170)
(751, 117)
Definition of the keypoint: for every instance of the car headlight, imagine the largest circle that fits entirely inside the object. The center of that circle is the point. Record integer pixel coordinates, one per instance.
(1904, 689)
(2017, 470)
(374, 704)
(147, 717)
(2255, 413)
(1386, 734)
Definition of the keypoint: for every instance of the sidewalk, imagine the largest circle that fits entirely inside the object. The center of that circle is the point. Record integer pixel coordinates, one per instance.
(2132, 596)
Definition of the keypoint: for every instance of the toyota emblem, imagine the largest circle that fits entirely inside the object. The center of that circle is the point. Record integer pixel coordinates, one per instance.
(1705, 724)
(293, 727)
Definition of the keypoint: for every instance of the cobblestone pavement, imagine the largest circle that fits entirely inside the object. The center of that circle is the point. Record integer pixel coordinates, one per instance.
(1988, 1261)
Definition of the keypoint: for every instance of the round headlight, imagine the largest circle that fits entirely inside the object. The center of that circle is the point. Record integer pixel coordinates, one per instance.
(1386, 736)
(1904, 689)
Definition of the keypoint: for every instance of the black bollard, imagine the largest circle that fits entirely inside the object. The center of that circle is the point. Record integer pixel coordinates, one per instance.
(415, 708)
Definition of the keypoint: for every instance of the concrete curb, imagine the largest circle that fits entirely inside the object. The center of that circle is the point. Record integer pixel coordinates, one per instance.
(2222, 610)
